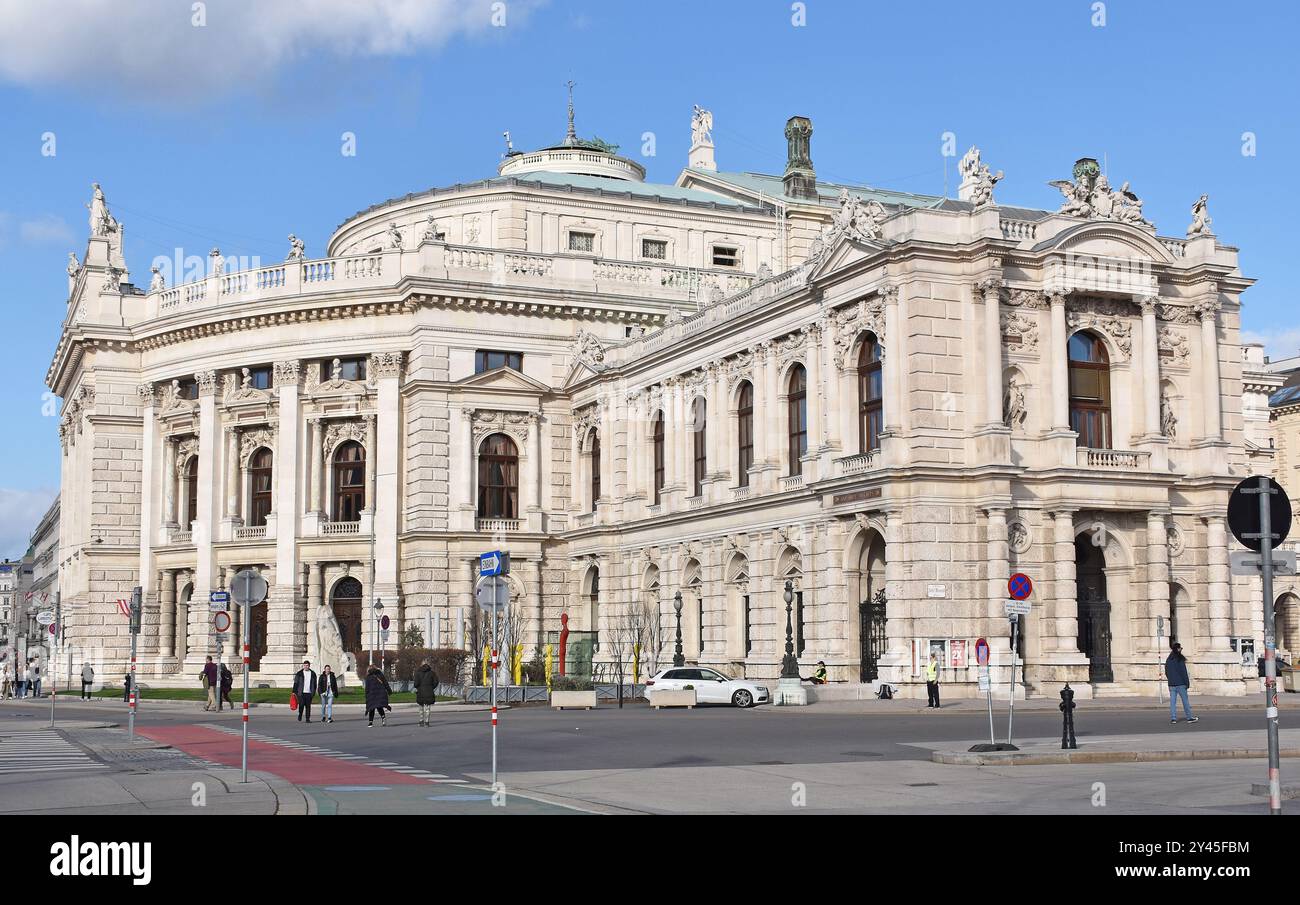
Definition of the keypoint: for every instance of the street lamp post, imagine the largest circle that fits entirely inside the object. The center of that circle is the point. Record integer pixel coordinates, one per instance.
(789, 688)
(678, 659)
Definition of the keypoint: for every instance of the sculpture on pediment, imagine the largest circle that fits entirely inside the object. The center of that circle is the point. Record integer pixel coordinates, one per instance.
(589, 350)
(859, 219)
(431, 232)
(980, 177)
(471, 230)
(764, 272)
(74, 266)
(1168, 420)
(394, 235)
(246, 379)
(156, 282)
(1201, 221)
(171, 395)
(340, 432)
(101, 220)
(297, 248)
(1014, 410)
(112, 280)
(1090, 196)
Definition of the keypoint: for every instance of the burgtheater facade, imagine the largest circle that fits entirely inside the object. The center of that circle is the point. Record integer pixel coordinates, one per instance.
(716, 387)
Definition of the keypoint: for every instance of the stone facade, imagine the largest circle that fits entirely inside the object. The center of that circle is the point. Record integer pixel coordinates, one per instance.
(208, 426)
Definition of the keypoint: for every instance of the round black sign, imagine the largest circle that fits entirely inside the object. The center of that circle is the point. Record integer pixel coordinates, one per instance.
(1243, 513)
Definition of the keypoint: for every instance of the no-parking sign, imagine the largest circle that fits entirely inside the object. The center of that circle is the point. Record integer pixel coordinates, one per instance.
(1019, 587)
(982, 652)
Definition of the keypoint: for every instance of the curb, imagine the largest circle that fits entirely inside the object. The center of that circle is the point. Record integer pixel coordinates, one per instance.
(1026, 758)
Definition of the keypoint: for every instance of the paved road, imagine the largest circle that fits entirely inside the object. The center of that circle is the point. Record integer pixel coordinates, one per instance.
(714, 758)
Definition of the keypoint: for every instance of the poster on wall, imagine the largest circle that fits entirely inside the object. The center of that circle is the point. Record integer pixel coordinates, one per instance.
(938, 647)
(958, 648)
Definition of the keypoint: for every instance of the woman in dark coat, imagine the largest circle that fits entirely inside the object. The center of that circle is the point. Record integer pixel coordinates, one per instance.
(227, 682)
(377, 692)
(426, 691)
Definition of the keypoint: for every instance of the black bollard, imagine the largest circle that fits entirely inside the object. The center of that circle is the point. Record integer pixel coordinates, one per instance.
(1067, 717)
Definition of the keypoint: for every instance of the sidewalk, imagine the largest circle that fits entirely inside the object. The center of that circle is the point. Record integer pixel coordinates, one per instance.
(1189, 743)
(146, 778)
(909, 706)
(179, 704)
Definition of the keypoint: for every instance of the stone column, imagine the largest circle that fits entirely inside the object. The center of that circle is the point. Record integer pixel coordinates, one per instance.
(372, 453)
(988, 290)
(206, 575)
(230, 650)
(1208, 310)
(527, 469)
(1060, 364)
(182, 617)
(672, 431)
(148, 518)
(285, 623)
(1157, 576)
(167, 614)
(169, 482)
(816, 429)
(898, 627)
(892, 366)
(386, 433)
(1220, 602)
(1065, 585)
(608, 427)
(232, 473)
(1150, 367)
(717, 422)
(998, 555)
(312, 464)
(460, 468)
(763, 403)
(315, 598)
(636, 445)
(831, 380)
(767, 420)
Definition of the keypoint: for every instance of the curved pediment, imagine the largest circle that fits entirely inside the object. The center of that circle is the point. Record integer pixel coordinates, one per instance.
(845, 251)
(1108, 239)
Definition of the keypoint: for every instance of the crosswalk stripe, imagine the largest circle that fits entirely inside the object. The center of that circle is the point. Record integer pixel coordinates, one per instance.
(47, 752)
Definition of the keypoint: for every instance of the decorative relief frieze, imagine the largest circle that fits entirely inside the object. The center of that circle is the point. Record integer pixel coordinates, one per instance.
(1020, 330)
(251, 441)
(515, 424)
(338, 432)
(1174, 347)
(385, 364)
(146, 393)
(207, 381)
(287, 373)
(186, 450)
(1119, 331)
(1026, 298)
(849, 322)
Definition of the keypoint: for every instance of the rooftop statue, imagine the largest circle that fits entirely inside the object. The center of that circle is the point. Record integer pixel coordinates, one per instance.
(156, 282)
(1090, 196)
(701, 126)
(1200, 218)
(297, 248)
(394, 236)
(860, 219)
(74, 266)
(982, 193)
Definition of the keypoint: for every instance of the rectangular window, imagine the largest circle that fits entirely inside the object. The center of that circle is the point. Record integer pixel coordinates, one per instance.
(487, 360)
(349, 369)
(261, 377)
(189, 388)
(726, 256)
(654, 249)
(584, 242)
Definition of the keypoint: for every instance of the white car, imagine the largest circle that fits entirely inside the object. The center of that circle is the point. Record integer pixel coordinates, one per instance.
(711, 686)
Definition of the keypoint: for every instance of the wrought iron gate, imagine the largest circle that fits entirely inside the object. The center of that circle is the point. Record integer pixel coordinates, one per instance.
(871, 633)
(1094, 637)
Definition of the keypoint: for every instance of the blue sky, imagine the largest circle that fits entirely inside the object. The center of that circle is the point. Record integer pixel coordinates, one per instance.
(229, 133)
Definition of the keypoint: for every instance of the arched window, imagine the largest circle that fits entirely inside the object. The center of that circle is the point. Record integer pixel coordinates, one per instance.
(349, 481)
(498, 478)
(191, 492)
(745, 433)
(797, 418)
(595, 469)
(658, 440)
(700, 456)
(1090, 391)
(870, 395)
(259, 477)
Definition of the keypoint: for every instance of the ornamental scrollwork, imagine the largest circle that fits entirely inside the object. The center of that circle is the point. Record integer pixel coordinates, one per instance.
(287, 373)
(514, 424)
(252, 441)
(1120, 332)
(207, 381)
(1173, 346)
(385, 364)
(186, 450)
(339, 432)
(853, 320)
(1026, 298)
(1022, 327)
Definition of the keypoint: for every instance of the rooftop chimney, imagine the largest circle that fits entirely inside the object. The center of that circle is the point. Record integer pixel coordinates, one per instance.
(800, 179)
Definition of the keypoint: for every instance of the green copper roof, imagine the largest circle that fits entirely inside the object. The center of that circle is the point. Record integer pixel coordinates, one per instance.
(772, 187)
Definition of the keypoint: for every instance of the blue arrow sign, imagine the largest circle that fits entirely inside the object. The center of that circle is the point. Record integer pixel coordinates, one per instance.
(494, 563)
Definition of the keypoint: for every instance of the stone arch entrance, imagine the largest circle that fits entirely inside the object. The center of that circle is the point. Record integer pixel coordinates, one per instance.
(1094, 609)
(345, 600)
(865, 573)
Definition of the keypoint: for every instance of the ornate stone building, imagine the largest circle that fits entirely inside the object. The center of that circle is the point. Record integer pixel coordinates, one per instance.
(890, 401)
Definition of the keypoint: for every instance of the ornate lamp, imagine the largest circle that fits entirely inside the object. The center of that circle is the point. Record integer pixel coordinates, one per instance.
(678, 659)
(789, 663)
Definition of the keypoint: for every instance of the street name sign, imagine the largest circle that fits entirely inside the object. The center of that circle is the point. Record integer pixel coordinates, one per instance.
(45, 617)
(1246, 563)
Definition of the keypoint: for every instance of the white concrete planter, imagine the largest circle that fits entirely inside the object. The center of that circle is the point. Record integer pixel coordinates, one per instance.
(672, 697)
(575, 699)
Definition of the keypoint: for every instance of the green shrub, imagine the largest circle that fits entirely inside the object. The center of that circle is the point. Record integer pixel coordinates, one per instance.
(571, 683)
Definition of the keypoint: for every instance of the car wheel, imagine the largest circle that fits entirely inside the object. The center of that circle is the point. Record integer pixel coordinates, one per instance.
(742, 698)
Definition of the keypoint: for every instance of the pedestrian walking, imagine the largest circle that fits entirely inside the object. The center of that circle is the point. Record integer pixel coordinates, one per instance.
(20, 680)
(126, 689)
(304, 686)
(36, 677)
(208, 679)
(932, 680)
(377, 692)
(6, 680)
(87, 680)
(426, 691)
(329, 689)
(1179, 682)
(227, 682)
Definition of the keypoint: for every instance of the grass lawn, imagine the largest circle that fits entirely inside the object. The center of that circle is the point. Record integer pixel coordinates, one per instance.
(349, 695)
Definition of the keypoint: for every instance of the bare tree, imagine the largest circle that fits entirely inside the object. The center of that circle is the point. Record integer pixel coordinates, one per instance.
(622, 637)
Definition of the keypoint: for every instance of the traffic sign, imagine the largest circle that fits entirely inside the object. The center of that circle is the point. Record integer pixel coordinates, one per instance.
(1160, 626)
(221, 638)
(45, 617)
(1243, 512)
(494, 563)
(1019, 587)
(489, 598)
(1014, 608)
(1244, 563)
(984, 679)
(248, 588)
(221, 621)
(982, 652)
(217, 607)
(384, 622)
(383, 636)
(218, 597)
(53, 628)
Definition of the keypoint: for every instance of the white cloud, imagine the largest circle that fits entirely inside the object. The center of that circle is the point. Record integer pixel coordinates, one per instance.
(1279, 342)
(47, 228)
(151, 48)
(20, 512)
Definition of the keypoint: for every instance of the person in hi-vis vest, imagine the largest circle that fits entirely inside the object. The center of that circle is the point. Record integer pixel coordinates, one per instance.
(932, 680)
